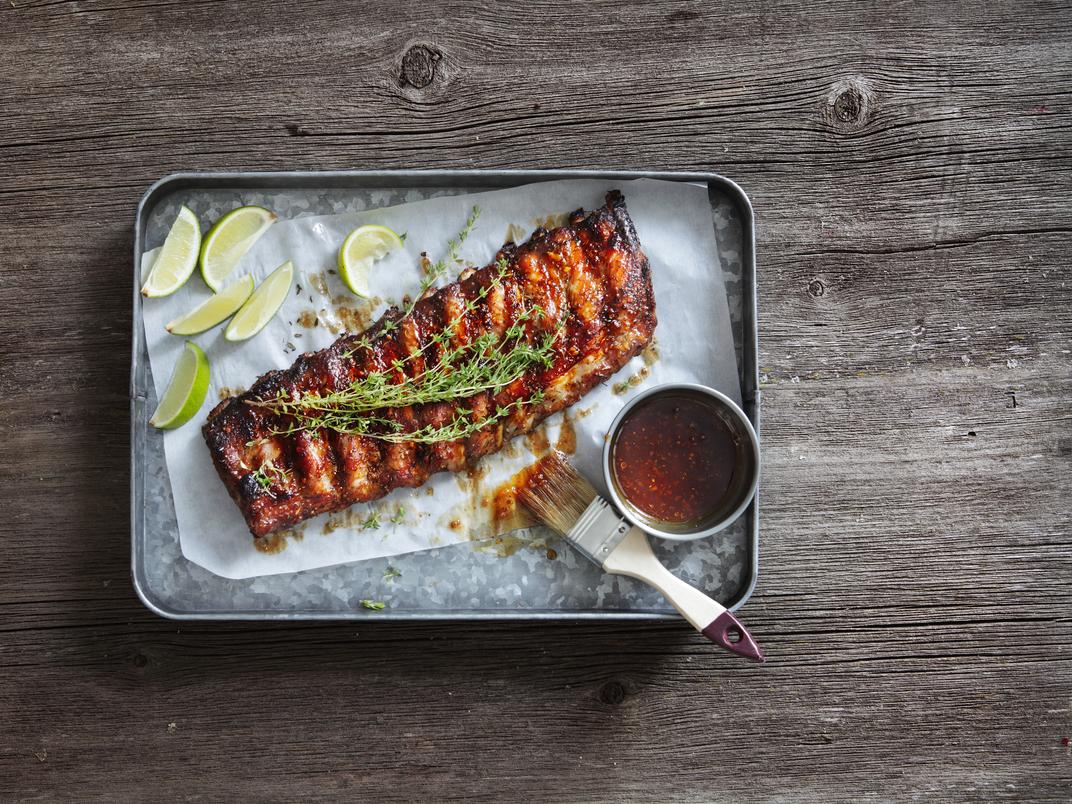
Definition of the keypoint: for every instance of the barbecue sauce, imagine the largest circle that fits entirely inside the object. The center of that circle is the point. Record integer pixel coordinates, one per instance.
(674, 458)
(507, 514)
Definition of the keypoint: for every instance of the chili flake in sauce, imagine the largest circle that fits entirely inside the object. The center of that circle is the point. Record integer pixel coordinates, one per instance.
(674, 458)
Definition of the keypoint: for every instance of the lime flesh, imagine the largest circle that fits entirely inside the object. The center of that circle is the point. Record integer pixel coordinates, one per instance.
(229, 239)
(177, 258)
(262, 305)
(361, 248)
(214, 310)
(185, 392)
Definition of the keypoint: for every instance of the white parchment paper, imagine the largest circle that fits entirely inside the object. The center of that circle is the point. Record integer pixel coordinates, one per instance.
(693, 343)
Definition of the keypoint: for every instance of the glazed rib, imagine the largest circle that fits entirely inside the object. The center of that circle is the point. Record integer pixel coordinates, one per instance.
(590, 273)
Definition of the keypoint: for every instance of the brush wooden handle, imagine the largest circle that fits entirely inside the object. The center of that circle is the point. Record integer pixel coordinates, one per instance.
(633, 557)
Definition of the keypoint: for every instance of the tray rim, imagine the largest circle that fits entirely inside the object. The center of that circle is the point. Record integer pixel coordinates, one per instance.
(749, 369)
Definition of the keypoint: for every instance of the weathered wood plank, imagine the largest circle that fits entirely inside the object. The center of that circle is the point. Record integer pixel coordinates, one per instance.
(910, 167)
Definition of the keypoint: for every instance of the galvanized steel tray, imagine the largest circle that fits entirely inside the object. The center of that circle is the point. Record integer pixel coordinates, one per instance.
(462, 581)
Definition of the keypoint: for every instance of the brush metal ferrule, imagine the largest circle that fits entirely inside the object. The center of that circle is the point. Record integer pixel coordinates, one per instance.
(599, 530)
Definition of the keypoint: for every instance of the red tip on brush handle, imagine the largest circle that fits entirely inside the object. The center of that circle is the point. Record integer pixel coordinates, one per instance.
(726, 626)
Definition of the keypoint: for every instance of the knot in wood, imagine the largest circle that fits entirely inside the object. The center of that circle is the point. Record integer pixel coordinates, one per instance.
(816, 288)
(419, 66)
(850, 104)
(612, 693)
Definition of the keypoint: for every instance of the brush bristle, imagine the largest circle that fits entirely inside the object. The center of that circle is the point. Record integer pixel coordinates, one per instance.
(556, 493)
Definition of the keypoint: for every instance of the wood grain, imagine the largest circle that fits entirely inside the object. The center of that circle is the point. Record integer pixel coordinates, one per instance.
(911, 167)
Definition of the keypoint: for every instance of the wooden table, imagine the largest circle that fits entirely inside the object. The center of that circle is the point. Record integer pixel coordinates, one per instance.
(911, 168)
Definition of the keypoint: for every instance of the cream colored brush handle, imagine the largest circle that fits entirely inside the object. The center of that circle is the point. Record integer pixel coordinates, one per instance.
(633, 557)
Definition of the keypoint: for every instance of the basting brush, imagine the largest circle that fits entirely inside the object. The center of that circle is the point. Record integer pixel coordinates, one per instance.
(566, 502)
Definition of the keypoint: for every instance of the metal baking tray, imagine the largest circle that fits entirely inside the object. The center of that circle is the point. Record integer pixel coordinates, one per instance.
(475, 581)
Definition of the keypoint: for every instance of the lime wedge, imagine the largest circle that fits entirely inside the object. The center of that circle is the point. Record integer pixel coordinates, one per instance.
(214, 310)
(262, 305)
(186, 392)
(177, 258)
(229, 239)
(362, 247)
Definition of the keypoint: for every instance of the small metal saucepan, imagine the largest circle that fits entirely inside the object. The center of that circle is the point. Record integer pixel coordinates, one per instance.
(743, 480)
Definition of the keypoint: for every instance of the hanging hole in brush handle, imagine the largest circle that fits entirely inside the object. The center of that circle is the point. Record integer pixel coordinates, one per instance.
(633, 557)
(727, 631)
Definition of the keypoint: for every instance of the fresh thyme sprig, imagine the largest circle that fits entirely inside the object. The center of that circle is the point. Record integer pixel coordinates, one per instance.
(486, 364)
(440, 268)
(268, 474)
(457, 428)
(455, 377)
(394, 432)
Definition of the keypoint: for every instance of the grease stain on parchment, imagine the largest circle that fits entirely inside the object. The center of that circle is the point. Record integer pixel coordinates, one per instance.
(275, 543)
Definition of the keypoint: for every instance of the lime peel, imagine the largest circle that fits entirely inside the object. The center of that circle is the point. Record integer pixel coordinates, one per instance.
(228, 241)
(177, 258)
(186, 390)
(361, 248)
(214, 310)
(262, 306)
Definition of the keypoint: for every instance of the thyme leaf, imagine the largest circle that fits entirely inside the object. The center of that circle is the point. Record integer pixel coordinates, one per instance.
(268, 474)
